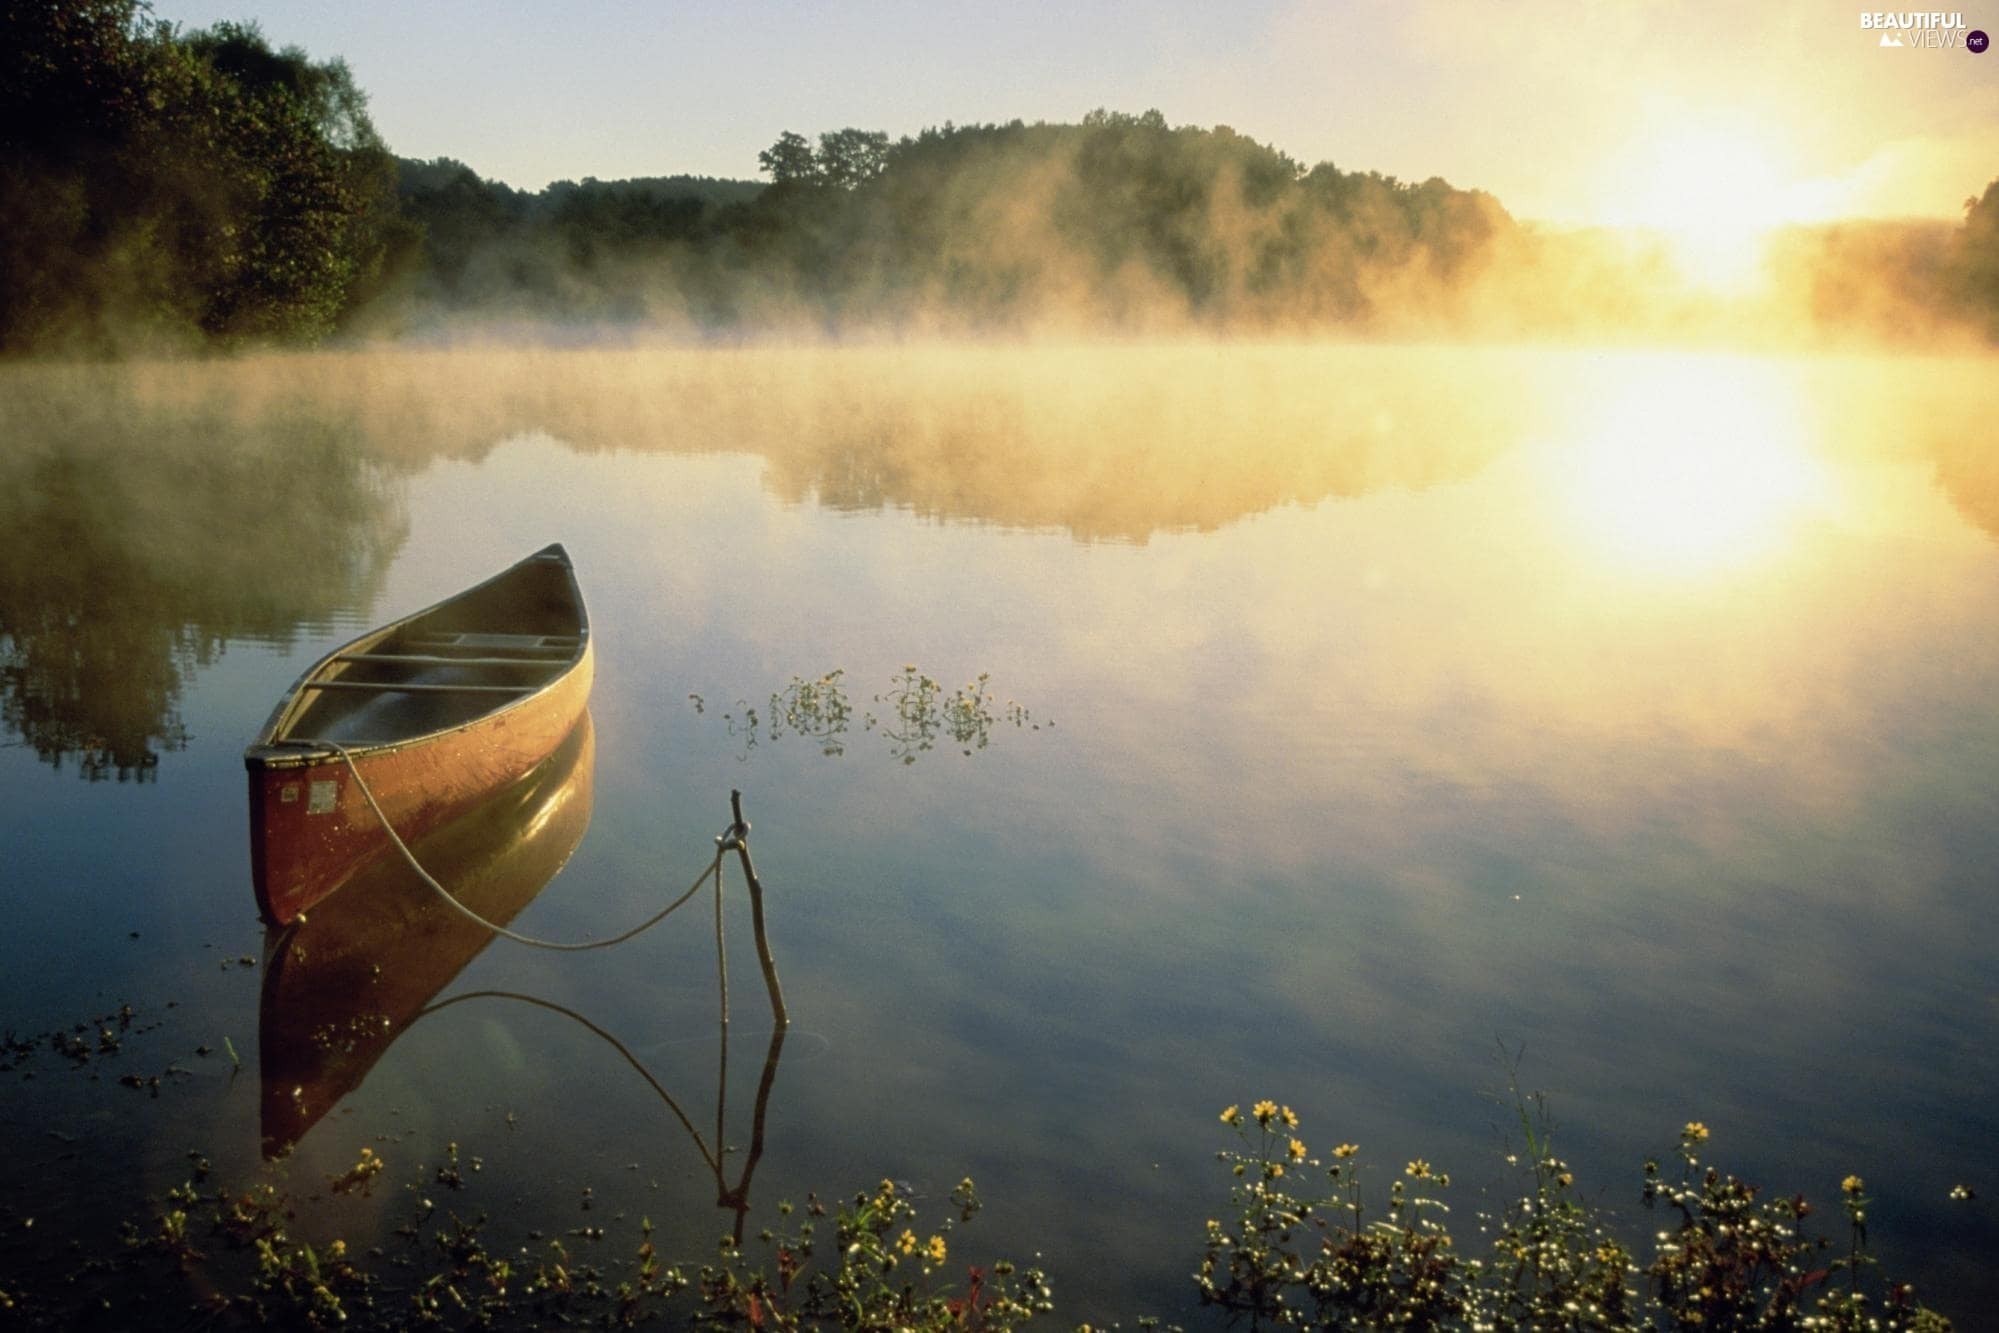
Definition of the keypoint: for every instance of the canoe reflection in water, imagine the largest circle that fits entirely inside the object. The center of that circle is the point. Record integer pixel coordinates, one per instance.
(343, 982)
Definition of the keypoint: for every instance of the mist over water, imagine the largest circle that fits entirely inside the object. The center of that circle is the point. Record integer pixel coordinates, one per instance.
(1629, 705)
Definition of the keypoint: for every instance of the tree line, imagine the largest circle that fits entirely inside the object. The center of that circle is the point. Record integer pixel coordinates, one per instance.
(1120, 220)
(203, 188)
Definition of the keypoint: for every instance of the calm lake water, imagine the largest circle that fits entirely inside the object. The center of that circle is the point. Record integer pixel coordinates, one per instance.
(1363, 722)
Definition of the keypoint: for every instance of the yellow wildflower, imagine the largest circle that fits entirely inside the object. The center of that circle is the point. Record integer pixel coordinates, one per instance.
(1264, 1112)
(906, 1242)
(1297, 1151)
(936, 1249)
(1418, 1170)
(1288, 1116)
(1232, 1115)
(1565, 1180)
(1346, 1150)
(1695, 1132)
(1853, 1185)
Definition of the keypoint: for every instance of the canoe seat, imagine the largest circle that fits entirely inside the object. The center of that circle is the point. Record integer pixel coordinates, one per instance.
(416, 687)
(514, 647)
(436, 659)
(479, 640)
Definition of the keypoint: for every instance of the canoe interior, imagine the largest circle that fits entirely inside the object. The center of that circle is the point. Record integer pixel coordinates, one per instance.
(447, 666)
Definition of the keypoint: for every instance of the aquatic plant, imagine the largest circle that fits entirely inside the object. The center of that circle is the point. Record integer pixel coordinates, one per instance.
(236, 1252)
(883, 1273)
(1287, 1257)
(1300, 1255)
(917, 714)
(1308, 1239)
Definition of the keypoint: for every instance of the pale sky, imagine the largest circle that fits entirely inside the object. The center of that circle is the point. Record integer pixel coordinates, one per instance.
(1615, 111)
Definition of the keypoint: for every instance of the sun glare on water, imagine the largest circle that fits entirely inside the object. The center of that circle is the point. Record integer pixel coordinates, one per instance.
(1684, 466)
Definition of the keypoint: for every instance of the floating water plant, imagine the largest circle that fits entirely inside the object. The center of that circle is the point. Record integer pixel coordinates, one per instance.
(917, 714)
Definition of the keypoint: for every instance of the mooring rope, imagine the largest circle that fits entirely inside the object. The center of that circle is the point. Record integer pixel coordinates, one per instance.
(724, 844)
(624, 1053)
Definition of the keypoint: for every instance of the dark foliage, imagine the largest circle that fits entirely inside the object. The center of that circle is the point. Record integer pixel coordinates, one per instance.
(1120, 220)
(1976, 260)
(165, 187)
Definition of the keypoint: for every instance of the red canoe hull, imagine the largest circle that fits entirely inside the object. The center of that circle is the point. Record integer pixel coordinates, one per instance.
(311, 827)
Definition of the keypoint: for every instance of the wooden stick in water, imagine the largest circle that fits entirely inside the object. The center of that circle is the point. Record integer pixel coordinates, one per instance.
(742, 831)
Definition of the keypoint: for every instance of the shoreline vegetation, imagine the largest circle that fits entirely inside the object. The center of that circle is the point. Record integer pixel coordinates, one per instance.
(1304, 1238)
(180, 191)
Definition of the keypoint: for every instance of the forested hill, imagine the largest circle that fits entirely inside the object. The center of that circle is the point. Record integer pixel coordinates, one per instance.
(161, 187)
(169, 188)
(1119, 221)
(487, 246)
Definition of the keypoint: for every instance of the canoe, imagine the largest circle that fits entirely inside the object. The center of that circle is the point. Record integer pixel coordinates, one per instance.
(436, 711)
(341, 986)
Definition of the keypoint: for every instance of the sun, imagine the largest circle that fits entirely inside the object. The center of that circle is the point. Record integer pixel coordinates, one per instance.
(1715, 192)
(1695, 179)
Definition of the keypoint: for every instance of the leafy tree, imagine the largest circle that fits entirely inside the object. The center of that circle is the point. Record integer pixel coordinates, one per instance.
(309, 185)
(1977, 258)
(850, 157)
(170, 186)
(458, 214)
(789, 160)
(844, 160)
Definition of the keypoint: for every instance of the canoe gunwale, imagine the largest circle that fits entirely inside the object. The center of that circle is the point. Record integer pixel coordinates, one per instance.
(274, 750)
(323, 809)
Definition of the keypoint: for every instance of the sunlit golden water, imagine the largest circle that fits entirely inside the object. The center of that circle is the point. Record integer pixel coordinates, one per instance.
(1394, 704)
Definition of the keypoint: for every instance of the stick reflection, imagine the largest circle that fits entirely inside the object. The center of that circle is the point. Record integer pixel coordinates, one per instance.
(344, 982)
(734, 1197)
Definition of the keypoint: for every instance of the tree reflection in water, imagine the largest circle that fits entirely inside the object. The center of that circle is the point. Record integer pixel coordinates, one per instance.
(137, 540)
(151, 512)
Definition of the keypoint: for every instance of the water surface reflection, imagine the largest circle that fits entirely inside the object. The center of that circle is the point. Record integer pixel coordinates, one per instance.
(342, 984)
(137, 540)
(1628, 706)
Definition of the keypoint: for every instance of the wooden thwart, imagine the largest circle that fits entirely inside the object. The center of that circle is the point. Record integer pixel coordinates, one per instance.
(414, 687)
(426, 659)
(481, 640)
